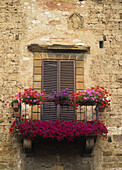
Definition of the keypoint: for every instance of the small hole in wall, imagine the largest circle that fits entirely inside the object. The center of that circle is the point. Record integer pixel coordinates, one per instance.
(100, 44)
(109, 139)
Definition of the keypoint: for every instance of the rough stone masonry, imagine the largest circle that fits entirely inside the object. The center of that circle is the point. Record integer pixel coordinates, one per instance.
(91, 23)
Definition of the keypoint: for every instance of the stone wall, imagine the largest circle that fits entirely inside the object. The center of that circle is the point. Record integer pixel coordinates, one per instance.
(92, 23)
(48, 156)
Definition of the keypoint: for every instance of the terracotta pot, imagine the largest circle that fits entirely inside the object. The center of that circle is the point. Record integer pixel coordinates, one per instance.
(101, 109)
(15, 107)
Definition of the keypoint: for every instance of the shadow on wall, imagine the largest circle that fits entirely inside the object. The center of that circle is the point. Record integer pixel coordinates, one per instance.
(57, 156)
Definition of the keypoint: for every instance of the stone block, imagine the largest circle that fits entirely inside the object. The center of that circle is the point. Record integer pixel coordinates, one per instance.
(79, 78)
(120, 91)
(112, 78)
(66, 56)
(103, 77)
(37, 70)
(38, 63)
(37, 85)
(10, 56)
(119, 77)
(117, 138)
(13, 76)
(37, 56)
(3, 166)
(1, 70)
(79, 86)
(44, 56)
(59, 56)
(37, 77)
(80, 58)
(107, 153)
(79, 71)
(79, 64)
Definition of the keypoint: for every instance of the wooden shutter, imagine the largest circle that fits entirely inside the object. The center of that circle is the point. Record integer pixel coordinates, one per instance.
(57, 75)
(50, 76)
(67, 75)
(67, 80)
(49, 83)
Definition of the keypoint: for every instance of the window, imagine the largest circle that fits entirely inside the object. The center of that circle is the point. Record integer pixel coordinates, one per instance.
(57, 75)
(57, 70)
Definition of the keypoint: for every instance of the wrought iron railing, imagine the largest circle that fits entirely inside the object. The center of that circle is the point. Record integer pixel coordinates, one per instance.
(51, 111)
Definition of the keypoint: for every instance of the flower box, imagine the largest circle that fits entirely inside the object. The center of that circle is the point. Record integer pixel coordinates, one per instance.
(86, 103)
(62, 97)
(32, 97)
(62, 103)
(30, 103)
(94, 95)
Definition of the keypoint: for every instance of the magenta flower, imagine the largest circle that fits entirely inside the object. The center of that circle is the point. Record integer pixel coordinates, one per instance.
(60, 131)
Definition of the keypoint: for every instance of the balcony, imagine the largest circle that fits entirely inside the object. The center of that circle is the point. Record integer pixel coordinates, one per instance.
(62, 114)
(63, 117)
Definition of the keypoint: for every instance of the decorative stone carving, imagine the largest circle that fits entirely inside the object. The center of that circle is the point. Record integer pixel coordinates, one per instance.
(75, 21)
